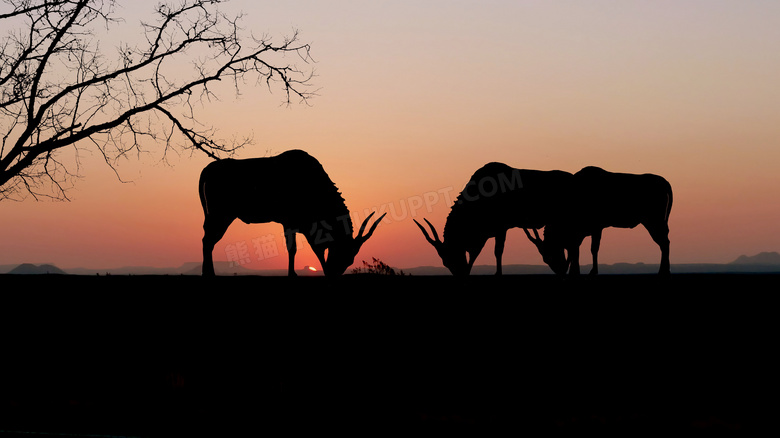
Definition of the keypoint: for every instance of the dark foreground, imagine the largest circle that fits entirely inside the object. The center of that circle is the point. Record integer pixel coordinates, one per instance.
(243, 356)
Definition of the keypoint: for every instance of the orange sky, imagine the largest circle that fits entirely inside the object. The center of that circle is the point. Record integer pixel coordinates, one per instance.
(415, 96)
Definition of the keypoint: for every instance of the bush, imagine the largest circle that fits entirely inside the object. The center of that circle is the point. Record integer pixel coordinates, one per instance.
(377, 267)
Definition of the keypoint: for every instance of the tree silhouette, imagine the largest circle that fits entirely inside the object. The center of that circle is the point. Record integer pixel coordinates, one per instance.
(59, 90)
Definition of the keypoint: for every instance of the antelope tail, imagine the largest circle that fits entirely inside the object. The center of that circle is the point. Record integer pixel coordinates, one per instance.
(203, 200)
(668, 204)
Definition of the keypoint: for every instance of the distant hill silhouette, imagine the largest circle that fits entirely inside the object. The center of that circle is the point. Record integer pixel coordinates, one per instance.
(482, 270)
(614, 269)
(189, 268)
(30, 269)
(227, 268)
(764, 258)
(762, 262)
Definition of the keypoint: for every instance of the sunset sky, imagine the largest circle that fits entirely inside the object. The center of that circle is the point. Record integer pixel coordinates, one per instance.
(414, 96)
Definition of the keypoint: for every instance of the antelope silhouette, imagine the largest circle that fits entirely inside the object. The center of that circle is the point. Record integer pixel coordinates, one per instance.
(496, 198)
(602, 199)
(292, 189)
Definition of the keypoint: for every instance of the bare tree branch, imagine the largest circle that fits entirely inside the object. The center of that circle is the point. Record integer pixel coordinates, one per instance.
(58, 88)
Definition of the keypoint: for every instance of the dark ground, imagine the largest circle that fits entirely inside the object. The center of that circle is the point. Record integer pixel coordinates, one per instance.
(626, 355)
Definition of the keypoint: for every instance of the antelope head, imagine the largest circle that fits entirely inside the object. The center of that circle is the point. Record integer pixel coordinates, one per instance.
(341, 254)
(551, 250)
(453, 259)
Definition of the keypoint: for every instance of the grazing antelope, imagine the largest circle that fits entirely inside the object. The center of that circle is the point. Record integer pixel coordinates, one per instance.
(292, 189)
(602, 199)
(497, 198)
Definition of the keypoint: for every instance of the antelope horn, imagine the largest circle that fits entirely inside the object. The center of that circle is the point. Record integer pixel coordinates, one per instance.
(433, 230)
(535, 241)
(370, 230)
(425, 233)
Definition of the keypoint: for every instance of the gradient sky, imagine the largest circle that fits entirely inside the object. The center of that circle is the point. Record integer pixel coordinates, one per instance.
(414, 96)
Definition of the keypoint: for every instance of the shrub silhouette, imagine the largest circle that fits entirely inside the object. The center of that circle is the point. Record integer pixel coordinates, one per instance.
(377, 267)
